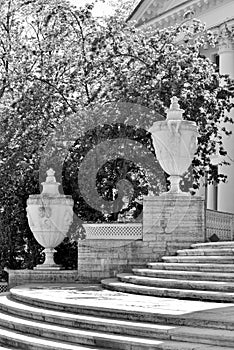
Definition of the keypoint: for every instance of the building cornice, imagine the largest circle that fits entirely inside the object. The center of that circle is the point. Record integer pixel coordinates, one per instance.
(138, 12)
(154, 15)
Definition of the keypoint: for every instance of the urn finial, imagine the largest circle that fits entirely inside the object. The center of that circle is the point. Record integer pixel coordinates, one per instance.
(175, 103)
(174, 112)
(50, 186)
(50, 175)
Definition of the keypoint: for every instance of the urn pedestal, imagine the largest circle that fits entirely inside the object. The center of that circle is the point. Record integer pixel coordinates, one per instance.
(175, 143)
(50, 215)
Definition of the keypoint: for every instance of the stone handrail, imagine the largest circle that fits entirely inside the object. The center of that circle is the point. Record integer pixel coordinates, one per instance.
(221, 224)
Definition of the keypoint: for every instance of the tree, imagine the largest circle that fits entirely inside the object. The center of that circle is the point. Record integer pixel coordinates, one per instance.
(63, 73)
(122, 7)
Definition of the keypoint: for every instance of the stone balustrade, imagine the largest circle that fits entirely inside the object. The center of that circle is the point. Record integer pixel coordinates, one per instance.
(115, 231)
(3, 287)
(221, 224)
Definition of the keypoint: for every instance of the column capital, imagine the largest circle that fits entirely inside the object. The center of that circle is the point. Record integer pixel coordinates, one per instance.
(226, 38)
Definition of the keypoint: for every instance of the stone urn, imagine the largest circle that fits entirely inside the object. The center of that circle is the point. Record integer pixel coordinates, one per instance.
(175, 143)
(50, 215)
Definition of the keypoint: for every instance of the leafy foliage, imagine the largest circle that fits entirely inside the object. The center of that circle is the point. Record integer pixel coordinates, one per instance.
(59, 66)
(118, 177)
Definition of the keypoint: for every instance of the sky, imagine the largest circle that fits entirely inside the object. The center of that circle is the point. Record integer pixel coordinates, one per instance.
(100, 9)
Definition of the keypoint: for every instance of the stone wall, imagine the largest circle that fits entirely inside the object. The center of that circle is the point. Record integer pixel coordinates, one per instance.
(169, 224)
(20, 277)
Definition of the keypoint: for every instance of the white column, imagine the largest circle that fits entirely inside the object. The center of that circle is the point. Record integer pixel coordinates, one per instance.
(226, 66)
(211, 197)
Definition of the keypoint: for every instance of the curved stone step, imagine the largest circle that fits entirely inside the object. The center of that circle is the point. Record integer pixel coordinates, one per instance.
(191, 275)
(92, 338)
(200, 259)
(19, 341)
(132, 312)
(170, 326)
(115, 284)
(227, 287)
(184, 337)
(159, 331)
(66, 319)
(125, 306)
(107, 325)
(215, 245)
(36, 343)
(207, 251)
(205, 267)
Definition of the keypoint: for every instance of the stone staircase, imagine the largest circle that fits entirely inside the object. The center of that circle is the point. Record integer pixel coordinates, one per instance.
(205, 272)
(37, 317)
(29, 323)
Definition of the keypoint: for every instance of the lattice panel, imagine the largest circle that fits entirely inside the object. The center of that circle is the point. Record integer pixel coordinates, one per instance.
(221, 224)
(3, 287)
(113, 231)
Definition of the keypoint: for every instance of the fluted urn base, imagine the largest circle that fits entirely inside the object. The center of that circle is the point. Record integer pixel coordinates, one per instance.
(49, 263)
(175, 187)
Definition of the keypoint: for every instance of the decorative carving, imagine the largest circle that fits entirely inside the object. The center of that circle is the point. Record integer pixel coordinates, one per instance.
(226, 39)
(36, 200)
(46, 224)
(193, 143)
(68, 218)
(45, 212)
